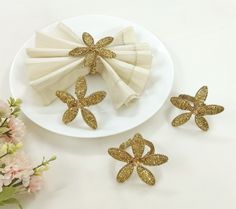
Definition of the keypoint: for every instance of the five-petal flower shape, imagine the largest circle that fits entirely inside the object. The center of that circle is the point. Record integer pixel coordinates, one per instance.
(74, 105)
(93, 50)
(195, 106)
(138, 147)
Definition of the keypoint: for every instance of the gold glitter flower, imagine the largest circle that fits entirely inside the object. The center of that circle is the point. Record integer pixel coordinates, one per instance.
(138, 147)
(195, 106)
(92, 50)
(74, 105)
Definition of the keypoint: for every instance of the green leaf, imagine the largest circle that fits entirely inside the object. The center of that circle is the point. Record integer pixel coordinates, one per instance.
(7, 193)
(18, 102)
(11, 101)
(14, 102)
(11, 201)
(16, 111)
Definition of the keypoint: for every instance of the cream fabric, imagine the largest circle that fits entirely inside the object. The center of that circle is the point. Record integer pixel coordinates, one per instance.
(50, 68)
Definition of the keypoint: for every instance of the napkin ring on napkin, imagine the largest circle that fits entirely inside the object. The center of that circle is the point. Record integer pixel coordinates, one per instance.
(92, 51)
(138, 145)
(196, 106)
(80, 103)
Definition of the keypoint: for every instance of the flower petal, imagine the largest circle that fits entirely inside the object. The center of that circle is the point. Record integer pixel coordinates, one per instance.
(106, 53)
(187, 97)
(78, 51)
(94, 98)
(66, 98)
(181, 119)
(88, 39)
(104, 42)
(120, 155)
(138, 145)
(90, 59)
(213, 109)
(155, 159)
(202, 93)
(80, 88)
(125, 173)
(201, 123)
(70, 114)
(181, 103)
(89, 118)
(146, 175)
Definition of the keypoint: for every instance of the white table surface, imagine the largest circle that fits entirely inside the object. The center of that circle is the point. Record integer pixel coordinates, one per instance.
(201, 172)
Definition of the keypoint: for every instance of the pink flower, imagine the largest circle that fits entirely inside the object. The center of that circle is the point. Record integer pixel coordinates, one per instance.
(19, 167)
(35, 184)
(5, 110)
(16, 132)
(17, 128)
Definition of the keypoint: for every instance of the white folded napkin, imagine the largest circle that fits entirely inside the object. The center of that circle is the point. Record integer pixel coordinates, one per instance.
(49, 65)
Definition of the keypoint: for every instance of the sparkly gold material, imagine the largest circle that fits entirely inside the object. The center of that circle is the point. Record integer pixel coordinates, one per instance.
(92, 51)
(196, 105)
(74, 105)
(137, 143)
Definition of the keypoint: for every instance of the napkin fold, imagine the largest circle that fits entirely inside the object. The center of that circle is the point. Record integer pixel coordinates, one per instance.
(50, 68)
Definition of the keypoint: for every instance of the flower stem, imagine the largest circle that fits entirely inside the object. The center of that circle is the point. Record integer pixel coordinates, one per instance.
(3, 123)
(44, 163)
(4, 155)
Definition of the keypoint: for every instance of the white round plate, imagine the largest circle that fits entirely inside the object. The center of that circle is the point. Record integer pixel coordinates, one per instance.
(110, 121)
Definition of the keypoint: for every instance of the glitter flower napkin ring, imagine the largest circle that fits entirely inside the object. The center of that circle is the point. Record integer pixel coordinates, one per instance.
(81, 103)
(138, 145)
(196, 106)
(92, 51)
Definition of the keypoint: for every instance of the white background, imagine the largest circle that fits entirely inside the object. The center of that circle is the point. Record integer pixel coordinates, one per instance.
(201, 172)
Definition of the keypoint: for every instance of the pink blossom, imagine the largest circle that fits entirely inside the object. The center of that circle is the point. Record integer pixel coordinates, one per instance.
(16, 132)
(5, 110)
(35, 184)
(19, 167)
(17, 128)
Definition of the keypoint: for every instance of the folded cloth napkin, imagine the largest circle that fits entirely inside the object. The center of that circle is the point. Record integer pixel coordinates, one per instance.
(51, 68)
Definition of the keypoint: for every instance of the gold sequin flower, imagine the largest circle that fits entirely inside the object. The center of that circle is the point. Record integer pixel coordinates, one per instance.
(137, 143)
(74, 105)
(196, 106)
(92, 50)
